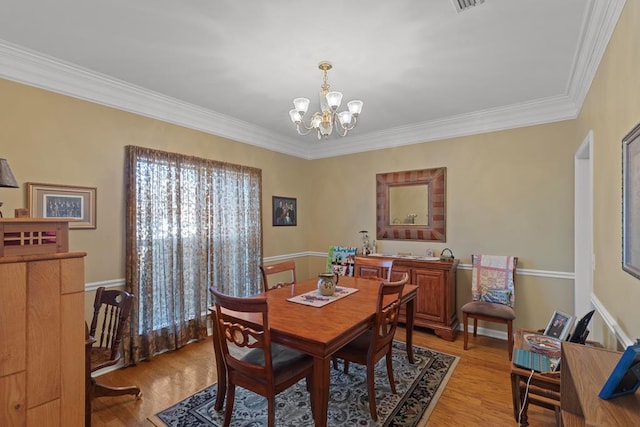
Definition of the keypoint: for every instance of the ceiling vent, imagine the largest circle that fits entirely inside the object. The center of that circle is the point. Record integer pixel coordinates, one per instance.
(462, 5)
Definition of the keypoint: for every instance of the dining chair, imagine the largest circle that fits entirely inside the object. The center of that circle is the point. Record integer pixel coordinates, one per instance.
(493, 294)
(365, 266)
(111, 309)
(376, 342)
(282, 267)
(265, 368)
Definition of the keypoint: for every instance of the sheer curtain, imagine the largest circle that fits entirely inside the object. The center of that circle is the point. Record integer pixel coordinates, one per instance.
(191, 223)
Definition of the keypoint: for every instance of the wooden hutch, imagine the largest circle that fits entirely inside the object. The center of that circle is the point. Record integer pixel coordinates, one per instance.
(42, 335)
(436, 301)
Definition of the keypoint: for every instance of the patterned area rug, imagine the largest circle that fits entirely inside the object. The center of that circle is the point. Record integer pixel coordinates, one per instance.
(419, 386)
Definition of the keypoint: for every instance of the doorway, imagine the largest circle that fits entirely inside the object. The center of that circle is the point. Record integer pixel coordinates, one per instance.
(584, 259)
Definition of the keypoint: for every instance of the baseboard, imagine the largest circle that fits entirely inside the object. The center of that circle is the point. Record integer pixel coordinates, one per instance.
(502, 335)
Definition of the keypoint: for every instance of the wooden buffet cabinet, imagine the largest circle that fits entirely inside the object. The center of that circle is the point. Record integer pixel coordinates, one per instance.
(436, 301)
(42, 335)
(584, 371)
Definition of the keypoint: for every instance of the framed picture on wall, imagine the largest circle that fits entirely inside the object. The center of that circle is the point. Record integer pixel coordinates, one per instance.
(78, 204)
(285, 211)
(631, 202)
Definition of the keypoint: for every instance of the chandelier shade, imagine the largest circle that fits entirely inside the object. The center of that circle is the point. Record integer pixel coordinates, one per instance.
(324, 121)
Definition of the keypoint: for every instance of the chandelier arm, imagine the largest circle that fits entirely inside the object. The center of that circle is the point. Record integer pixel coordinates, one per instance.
(343, 129)
(303, 132)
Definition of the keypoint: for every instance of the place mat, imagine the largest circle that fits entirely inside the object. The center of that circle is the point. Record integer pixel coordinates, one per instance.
(316, 299)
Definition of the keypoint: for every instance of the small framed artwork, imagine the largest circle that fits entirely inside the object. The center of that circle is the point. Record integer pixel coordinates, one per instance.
(78, 204)
(559, 325)
(631, 202)
(625, 378)
(285, 211)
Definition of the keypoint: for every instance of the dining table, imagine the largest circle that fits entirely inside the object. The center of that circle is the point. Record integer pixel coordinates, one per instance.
(320, 331)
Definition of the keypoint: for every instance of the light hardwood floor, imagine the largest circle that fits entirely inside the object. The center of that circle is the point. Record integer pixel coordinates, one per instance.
(478, 393)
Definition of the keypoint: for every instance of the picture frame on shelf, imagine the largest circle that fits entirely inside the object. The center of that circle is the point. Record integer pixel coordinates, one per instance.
(559, 325)
(631, 202)
(77, 204)
(285, 211)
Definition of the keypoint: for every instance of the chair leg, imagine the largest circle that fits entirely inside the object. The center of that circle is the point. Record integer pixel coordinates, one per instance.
(372, 392)
(346, 366)
(510, 338)
(334, 360)
(98, 390)
(475, 327)
(271, 411)
(231, 395)
(465, 319)
(392, 381)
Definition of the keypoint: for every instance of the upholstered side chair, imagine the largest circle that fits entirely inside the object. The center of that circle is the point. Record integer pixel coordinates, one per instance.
(493, 294)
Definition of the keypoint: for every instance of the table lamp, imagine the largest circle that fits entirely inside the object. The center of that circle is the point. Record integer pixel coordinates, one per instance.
(6, 177)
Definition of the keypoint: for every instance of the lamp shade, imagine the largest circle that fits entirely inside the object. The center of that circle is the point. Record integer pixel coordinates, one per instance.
(6, 176)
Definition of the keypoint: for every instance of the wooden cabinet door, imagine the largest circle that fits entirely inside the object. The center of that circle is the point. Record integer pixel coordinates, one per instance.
(431, 292)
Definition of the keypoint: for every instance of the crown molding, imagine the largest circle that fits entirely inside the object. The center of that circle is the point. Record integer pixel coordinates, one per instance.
(599, 24)
(38, 70)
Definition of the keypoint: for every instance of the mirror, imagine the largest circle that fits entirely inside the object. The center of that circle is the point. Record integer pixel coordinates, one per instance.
(411, 205)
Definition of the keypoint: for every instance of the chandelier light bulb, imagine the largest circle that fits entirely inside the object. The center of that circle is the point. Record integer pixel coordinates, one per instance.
(301, 104)
(295, 116)
(328, 117)
(345, 118)
(355, 107)
(334, 99)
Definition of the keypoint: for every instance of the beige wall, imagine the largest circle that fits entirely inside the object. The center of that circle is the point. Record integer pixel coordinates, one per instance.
(611, 110)
(49, 138)
(508, 192)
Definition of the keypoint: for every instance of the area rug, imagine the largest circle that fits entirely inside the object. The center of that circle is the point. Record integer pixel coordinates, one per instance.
(418, 385)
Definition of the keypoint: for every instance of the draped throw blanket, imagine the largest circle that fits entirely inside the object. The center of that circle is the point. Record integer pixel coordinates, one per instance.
(492, 279)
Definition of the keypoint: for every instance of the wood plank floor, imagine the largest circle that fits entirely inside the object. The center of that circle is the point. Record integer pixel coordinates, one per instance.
(478, 393)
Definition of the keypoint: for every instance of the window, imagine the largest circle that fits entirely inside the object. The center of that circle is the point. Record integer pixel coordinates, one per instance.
(192, 223)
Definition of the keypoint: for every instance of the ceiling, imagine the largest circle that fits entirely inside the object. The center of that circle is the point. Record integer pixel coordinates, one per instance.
(232, 67)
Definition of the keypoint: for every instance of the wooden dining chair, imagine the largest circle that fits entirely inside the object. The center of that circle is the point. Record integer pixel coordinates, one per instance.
(265, 368)
(365, 266)
(111, 309)
(282, 267)
(376, 342)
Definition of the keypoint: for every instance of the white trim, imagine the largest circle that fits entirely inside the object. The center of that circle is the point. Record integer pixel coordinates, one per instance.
(35, 69)
(492, 333)
(115, 283)
(611, 323)
(536, 273)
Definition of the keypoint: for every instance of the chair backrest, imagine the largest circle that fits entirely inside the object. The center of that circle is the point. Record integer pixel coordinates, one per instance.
(244, 334)
(493, 278)
(280, 267)
(373, 267)
(111, 309)
(387, 312)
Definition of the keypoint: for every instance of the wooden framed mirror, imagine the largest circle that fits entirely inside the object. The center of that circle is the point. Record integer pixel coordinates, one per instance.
(411, 205)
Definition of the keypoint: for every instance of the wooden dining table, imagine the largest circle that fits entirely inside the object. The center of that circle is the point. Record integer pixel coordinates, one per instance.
(321, 331)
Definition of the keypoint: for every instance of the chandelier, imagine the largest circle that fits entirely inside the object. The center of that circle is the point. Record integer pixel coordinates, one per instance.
(324, 121)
